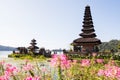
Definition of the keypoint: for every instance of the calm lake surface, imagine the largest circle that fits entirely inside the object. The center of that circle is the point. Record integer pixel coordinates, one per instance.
(4, 54)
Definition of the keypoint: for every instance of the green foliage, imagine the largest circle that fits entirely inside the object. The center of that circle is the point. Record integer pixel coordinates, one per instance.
(99, 56)
(27, 56)
(112, 45)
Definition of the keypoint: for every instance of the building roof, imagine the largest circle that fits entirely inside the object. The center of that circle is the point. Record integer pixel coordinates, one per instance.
(87, 40)
(33, 47)
(88, 35)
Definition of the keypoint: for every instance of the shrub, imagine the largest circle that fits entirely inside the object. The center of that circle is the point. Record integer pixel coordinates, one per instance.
(27, 56)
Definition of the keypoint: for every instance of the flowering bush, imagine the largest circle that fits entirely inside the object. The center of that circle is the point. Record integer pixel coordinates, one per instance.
(26, 71)
(62, 69)
(85, 62)
(60, 60)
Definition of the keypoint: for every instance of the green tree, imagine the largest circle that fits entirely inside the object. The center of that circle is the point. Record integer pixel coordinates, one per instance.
(112, 45)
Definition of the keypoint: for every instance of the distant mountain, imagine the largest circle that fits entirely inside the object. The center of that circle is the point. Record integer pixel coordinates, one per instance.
(6, 48)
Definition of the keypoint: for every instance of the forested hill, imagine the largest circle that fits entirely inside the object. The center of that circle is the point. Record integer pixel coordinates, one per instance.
(6, 48)
(113, 45)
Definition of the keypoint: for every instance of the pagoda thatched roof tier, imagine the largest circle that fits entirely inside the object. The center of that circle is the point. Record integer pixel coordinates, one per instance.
(87, 18)
(81, 41)
(87, 25)
(33, 43)
(88, 29)
(88, 22)
(33, 47)
(88, 35)
(33, 40)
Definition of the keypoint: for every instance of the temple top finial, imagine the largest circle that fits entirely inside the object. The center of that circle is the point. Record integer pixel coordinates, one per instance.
(87, 6)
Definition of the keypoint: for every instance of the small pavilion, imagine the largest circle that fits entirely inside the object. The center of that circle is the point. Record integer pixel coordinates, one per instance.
(87, 42)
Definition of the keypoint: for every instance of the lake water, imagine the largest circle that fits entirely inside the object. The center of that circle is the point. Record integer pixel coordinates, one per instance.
(4, 54)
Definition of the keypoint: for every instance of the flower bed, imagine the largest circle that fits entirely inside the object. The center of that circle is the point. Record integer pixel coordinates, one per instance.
(61, 68)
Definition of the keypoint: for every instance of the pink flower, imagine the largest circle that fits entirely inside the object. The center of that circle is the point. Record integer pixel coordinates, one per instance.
(28, 67)
(63, 57)
(111, 62)
(26, 61)
(99, 60)
(65, 64)
(44, 69)
(2, 62)
(74, 61)
(110, 71)
(10, 70)
(100, 72)
(85, 62)
(4, 77)
(32, 78)
(118, 74)
(60, 60)
(94, 54)
(55, 60)
(8, 65)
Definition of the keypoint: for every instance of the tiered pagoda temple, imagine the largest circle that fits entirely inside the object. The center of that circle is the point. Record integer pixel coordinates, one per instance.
(33, 46)
(87, 42)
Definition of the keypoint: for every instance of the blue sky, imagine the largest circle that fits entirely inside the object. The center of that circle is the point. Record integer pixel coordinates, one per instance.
(55, 23)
